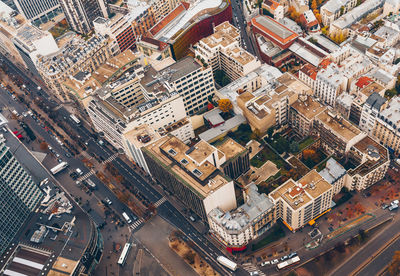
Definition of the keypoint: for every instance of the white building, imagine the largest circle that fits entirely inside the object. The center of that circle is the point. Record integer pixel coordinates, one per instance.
(236, 228)
(333, 9)
(370, 110)
(329, 84)
(222, 51)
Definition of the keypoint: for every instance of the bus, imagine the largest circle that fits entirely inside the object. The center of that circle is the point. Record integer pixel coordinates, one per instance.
(59, 168)
(75, 119)
(227, 263)
(288, 263)
(124, 254)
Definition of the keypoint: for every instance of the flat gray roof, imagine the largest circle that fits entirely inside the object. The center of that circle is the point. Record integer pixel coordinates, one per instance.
(181, 68)
(274, 27)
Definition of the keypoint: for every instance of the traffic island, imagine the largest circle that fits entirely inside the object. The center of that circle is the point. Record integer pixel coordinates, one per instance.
(182, 248)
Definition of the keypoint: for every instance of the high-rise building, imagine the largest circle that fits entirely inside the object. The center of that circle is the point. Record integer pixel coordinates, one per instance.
(19, 195)
(38, 10)
(80, 14)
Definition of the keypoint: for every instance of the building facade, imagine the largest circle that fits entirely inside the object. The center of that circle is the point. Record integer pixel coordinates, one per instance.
(370, 110)
(80, 14)
(19, 196)
(38, 10)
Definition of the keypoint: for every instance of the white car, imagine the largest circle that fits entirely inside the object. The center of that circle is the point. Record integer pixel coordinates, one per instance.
(265, 263)
(275, 261)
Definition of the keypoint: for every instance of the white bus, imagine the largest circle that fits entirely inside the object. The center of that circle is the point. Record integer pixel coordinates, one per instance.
(75, 119)
(127, 218)
(124, 254)
(226, 262)
(59, 167)
(288, 263)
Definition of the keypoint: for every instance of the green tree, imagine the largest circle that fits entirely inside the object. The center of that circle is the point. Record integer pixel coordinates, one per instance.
(270, 132)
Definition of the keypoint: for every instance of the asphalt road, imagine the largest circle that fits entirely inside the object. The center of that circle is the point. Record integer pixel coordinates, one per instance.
(165, 210)
(240, 22)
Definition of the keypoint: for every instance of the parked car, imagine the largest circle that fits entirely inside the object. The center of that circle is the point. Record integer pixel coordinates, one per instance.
(108, 201)
(265, 263)
(284, 258)
(293, 254)
(275, 261)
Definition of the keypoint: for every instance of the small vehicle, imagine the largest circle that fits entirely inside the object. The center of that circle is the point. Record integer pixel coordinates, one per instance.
(395, 202)
(57, 155)
(265, 263)
(284, 258)
(68, 155)
(127, 218)
(101, 142)
(254, 273)
(293, 254)
(384, 206)
(108, 201)
(275, 261)
(192, 218)
(79, 171)
(393, 207)
(59, 160)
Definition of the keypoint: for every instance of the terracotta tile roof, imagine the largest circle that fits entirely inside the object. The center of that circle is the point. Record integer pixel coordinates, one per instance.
(363, 81)
(310, 71)
(325, 62)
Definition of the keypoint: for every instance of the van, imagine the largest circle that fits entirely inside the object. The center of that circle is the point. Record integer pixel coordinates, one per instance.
(79, 171)
(126, 217)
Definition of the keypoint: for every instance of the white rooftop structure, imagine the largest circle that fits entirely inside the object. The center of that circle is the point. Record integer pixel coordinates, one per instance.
(136, 8)
(392, 112)
(307, 54)
(326, 43)
(334, 5)
(333, 171)
(200, 6)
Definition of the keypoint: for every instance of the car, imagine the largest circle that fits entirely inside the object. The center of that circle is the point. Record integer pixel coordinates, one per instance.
(275, 261)
(265, 263)
(59, 160)
(254, 273)
(393, 207)
(284, 258)
(68, 155)
(192, 218)
(108, 201)
(384, 206)
(293, 254)
(395, 202)
(4, 129)
(57, 155)
(79, 171)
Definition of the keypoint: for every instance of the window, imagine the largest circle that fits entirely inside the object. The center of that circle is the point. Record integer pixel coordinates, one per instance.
(197, 172)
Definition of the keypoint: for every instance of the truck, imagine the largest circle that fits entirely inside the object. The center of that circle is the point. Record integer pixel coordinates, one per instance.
(59, 168)
(395, 202)
(91, 184)
(75, 119)
(127, 218)
(227, 263)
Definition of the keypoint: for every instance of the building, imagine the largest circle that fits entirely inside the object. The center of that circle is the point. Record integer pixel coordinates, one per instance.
(188, 23)
(154, 50)
(301, 202)
(269, 105)
(236, 228)
(118, 29)
(31, 43)
(309, 21)
(302, 114)
(191, 174)
(38, 10)
(272, 39)
(80, 14)
(162, 8)
(329, 84)
(237, 158)
(19, 196)
(131, 102)
(222, 51)
(77, 55)
(141, 15)
(275, 9)
(370, 110)
(194, 82)
(333, 9)
(337, 135)
(370, 161)
(334, 174)
(387, 126)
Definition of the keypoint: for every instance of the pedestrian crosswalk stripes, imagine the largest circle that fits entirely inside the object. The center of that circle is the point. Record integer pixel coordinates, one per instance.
(86, 176)
(160, 201)
(111, 158)
(136, 224)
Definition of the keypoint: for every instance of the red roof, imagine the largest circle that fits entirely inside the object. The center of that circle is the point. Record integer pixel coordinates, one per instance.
(325, 62)
(270, 32)
(309, 70)
(363, 81)
(271, 4)
(167, 19)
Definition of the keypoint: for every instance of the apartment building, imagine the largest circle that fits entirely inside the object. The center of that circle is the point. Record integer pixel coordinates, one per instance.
(19, 196)
(134, 101)
(222, 51)
(38, 10)
(77, 55)
(333, 9)
(80, 14)
(191, 174)
(329, 84)
(334, 174)
(301, 202)
(236, 228)
(276, 9)
(163, 7)
(141, 15)
(236, 156)
(269, 105)
(119, 29)
(370, 110)
(387, 126)
(302, 114)
(194, 82)
(336, 133)
(371, 161)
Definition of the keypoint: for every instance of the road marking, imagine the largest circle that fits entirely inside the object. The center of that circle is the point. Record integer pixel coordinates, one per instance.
(160, 201)
(111, 158)
(135, 224)
(87, 175)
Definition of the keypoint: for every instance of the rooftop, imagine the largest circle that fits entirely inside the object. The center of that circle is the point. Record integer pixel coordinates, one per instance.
(376, 101)
(172, 154)
(140, 136)
(308, 106)
(180, 69)
(274, 28)
(230, 148)
(300, 193)
(392, 112)
(338, 125)
(256, 205)
(332, 171)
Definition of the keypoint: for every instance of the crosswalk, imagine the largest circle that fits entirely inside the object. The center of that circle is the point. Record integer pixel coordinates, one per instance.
(249, 267)
(160, 201)
(136, 224)
(111, 158)
(87, 175)
(86, 155)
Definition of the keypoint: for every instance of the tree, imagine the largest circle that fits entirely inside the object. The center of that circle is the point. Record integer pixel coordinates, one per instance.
(225, 105)
(394, 267)
(314, 4)
(340, 247)
(44, 146)
(318, 17)
(294, 147)
(270, 132)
